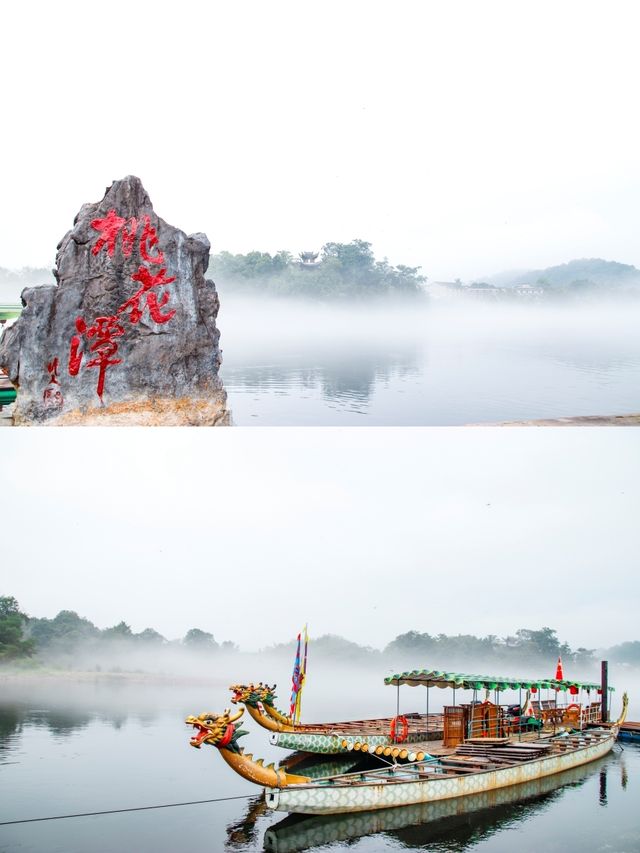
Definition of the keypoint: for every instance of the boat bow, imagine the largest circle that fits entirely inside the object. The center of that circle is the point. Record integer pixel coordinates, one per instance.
(258, 700)
(221, 731)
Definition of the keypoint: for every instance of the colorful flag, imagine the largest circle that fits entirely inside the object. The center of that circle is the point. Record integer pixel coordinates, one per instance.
(303, 675)
(559, 675)
(297, 679)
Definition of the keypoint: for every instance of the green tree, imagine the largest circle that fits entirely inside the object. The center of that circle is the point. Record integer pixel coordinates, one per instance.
(64, 631)
(121, 631)
(583, 656)
(13, 643)
(411, 641)
(628, 652)
(197, 639)
(345, 271)
(149, 635)
(542, 643)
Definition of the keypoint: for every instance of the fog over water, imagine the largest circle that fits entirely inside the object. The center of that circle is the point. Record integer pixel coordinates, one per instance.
(441, 362)
(79, 746)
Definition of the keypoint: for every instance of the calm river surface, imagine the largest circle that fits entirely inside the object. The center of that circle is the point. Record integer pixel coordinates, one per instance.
(293, 364)
(69, 747)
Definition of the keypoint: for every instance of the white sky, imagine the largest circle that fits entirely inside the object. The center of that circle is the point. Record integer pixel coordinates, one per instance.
(466, 137)
(363, 532)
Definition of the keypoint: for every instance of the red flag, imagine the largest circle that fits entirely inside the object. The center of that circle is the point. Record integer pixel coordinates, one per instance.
(559, 675)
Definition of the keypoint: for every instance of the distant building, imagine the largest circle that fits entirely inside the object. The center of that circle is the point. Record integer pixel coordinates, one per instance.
(528, 290)
(309, 260)
(484, 291)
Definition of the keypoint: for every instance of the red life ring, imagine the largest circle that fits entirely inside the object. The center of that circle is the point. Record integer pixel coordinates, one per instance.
(404, 729)
(573, 707)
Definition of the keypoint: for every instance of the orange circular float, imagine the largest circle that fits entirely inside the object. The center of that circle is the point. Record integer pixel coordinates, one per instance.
(403, 734)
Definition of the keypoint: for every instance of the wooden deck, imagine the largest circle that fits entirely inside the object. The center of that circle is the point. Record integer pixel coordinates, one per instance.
(479, 755)
(418, 723)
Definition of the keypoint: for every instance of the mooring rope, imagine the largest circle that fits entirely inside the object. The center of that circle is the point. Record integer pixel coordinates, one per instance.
(120, 811)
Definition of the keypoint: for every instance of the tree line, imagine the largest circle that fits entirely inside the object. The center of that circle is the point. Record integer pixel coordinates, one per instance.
(341, 271)
(23, 637)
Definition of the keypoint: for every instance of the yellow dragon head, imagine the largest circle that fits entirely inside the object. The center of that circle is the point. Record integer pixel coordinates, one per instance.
(216, 729)
(251, 694)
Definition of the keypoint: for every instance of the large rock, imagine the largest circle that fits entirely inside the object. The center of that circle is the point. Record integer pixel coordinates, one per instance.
(128, 335)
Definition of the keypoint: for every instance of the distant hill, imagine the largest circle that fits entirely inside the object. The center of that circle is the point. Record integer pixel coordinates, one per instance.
(583, 274)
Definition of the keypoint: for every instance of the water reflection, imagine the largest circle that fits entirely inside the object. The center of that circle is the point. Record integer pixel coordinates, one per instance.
(346, 378)
(243, 832)
(59, 721)
(299, 363)
(603, 787)
(69, 748)
(453, 824)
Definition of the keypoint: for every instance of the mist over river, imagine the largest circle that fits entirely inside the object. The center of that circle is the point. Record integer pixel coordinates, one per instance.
(294, 363)
(71, 746)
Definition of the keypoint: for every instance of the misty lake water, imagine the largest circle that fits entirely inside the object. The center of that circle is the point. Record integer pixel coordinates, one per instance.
(68, 747)
(295, 363)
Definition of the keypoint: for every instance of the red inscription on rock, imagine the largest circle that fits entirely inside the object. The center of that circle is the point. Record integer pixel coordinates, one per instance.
(106, 329)
(148, 280)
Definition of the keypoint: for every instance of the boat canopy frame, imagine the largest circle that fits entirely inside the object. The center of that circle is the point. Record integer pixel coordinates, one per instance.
(465, 681)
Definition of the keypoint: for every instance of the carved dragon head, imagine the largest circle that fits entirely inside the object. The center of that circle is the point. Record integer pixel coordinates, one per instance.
(217, 730)
(625, 709)
(251, 694)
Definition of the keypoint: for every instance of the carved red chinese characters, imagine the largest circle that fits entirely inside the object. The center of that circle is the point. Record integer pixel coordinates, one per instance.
(106, 329)
(148, 281)
(52, 396)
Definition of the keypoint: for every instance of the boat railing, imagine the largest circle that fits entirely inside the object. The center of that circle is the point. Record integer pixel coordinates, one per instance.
(480, 720)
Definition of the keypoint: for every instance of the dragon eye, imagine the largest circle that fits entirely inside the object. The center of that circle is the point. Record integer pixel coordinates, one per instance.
(209, 722)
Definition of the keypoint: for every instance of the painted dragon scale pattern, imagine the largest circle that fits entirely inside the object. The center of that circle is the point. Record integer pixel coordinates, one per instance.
(316, 799)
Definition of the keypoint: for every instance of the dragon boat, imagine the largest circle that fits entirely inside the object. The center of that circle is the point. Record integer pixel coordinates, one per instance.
(485, 746)
(381, 735)
(437, 820)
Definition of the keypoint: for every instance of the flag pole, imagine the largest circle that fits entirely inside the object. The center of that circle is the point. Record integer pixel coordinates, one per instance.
(303, 675)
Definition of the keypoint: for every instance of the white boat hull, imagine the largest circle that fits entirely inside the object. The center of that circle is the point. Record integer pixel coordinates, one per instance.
(337, 798)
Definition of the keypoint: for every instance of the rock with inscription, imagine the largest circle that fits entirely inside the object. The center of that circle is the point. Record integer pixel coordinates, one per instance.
(128, 335)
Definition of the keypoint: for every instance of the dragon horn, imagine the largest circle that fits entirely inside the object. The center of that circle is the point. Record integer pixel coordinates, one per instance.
(237, 716)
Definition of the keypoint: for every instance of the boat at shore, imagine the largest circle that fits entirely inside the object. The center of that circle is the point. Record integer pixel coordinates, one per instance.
(431, 822)
(630, 732)
(410, 735)
(484, 746)
(372, 735)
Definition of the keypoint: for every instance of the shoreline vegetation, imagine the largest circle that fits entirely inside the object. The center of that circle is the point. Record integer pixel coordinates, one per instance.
(339, 271)
(350, 272)
(70, 643)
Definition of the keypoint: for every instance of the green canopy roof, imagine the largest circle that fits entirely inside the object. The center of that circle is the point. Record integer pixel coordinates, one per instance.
(437, 678)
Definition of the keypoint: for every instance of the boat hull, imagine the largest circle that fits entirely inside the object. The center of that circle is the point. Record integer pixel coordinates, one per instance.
(630, 732)
(328, 744)
(339, 798)
(297, 832)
